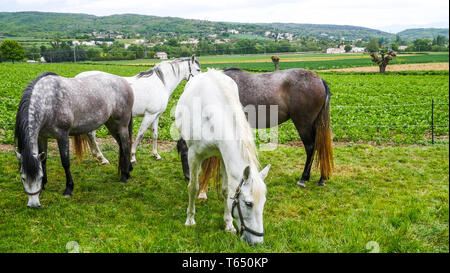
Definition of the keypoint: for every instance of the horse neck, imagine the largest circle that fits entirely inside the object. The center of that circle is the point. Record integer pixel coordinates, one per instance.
(234, 161)
(171, 78)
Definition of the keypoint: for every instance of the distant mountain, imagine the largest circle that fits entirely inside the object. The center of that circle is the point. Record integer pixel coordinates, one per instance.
(69, 25)
(46, 24)
(423, 33)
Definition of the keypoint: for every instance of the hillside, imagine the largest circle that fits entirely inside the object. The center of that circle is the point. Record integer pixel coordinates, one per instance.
(44, 24)
(423, 33)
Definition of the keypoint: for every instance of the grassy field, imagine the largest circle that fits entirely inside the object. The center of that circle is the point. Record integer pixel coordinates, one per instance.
(397, 197)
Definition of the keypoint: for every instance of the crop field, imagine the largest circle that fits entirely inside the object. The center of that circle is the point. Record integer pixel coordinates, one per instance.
(331, 63)
(390, 186)
(313, 61)
(369, 107)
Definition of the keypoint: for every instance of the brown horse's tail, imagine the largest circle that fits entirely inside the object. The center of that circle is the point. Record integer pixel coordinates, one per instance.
(80, 145)
(210, 170)
(323, 147)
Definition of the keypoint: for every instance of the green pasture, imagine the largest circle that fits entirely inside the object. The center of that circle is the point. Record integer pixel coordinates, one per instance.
(397, 197)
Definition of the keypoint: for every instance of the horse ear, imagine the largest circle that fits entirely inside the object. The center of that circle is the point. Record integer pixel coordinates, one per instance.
(41, 156)
(246, 173)
(193, 58)
(265, 172)
(19, 156)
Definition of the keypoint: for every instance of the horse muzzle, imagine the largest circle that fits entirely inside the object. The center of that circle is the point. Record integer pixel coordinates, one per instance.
(33, 201)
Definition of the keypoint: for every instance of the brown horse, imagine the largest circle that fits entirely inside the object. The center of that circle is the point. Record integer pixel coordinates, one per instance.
(301, 95)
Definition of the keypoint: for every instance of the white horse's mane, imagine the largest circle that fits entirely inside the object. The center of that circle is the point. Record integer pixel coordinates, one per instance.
(247, 143)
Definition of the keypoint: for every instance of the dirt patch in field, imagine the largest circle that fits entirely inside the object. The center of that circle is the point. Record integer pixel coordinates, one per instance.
(395, 67)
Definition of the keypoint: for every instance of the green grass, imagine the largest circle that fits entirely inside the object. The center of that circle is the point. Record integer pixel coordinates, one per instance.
(395, 196)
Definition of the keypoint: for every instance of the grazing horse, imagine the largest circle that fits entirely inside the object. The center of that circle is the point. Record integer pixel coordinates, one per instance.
(152, 89)
(56, 107)
(301, 95)
(231, 140)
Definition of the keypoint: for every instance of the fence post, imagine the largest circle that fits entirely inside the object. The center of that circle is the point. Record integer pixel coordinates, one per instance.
(432, 120)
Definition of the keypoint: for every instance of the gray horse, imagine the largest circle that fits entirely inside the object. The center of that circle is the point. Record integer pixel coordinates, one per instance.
(301, 95)
(56, 107)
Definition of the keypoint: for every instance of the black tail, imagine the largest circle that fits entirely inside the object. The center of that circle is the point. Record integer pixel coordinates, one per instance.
(183, 149)
(130, 132)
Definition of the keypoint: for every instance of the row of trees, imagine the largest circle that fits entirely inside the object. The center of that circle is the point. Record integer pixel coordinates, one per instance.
(65, 51)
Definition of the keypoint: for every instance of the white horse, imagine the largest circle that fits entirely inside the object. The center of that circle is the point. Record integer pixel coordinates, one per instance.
(152, 89)
(210, 118)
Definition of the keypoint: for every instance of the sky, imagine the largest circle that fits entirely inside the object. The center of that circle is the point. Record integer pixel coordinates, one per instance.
(392, 16)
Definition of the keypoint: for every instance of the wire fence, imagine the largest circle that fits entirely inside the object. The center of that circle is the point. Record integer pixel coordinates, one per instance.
(429, 119)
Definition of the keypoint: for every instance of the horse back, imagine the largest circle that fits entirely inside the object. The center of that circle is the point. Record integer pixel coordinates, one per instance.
(83, 104)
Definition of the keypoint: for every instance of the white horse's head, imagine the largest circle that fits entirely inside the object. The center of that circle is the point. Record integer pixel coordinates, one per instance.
(32, 184)
(194, 67)
(248, 206)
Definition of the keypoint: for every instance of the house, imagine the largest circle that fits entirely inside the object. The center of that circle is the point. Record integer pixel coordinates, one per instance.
(402, 48)
(90, 43)
(356, 49)
(333, 50)
(161, 55)
(190, 41)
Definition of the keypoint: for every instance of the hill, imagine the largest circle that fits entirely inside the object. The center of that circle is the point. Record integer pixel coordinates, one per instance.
(45, 24)
(423, 33)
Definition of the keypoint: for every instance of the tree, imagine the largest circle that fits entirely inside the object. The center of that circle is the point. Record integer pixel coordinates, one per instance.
(372, 46)
(347, 48)
(276, 61)
(394, 46)
(385, 58)
(422, 45)
(12, 50)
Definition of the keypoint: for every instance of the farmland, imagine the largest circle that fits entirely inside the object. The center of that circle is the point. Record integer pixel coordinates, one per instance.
(369, 107)
(390, 185)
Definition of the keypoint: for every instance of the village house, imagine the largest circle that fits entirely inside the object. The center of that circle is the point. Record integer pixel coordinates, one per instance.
(338, 50)
(356, 49)
(161, 55)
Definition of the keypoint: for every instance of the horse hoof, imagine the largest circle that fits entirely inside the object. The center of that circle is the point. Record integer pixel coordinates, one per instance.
(157, 157)
(190, 222)
(133, 160)
(321, 183)
(301, 184)
(230, 229)
(67, 195)
(105, 162)
(202, 196)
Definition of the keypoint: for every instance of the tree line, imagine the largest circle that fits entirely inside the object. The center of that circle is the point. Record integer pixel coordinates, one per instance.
(65, 51)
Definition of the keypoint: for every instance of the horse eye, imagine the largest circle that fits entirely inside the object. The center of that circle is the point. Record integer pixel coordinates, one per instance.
(249, 204)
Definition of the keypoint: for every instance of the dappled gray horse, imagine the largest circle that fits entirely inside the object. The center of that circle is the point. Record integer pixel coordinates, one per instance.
(301, 95)
(56, 107)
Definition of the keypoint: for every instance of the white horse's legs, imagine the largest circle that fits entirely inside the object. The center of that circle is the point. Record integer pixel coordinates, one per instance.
(95, 150)
(194, 166)
(227, 217)
(146, 121)
(155, 138)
